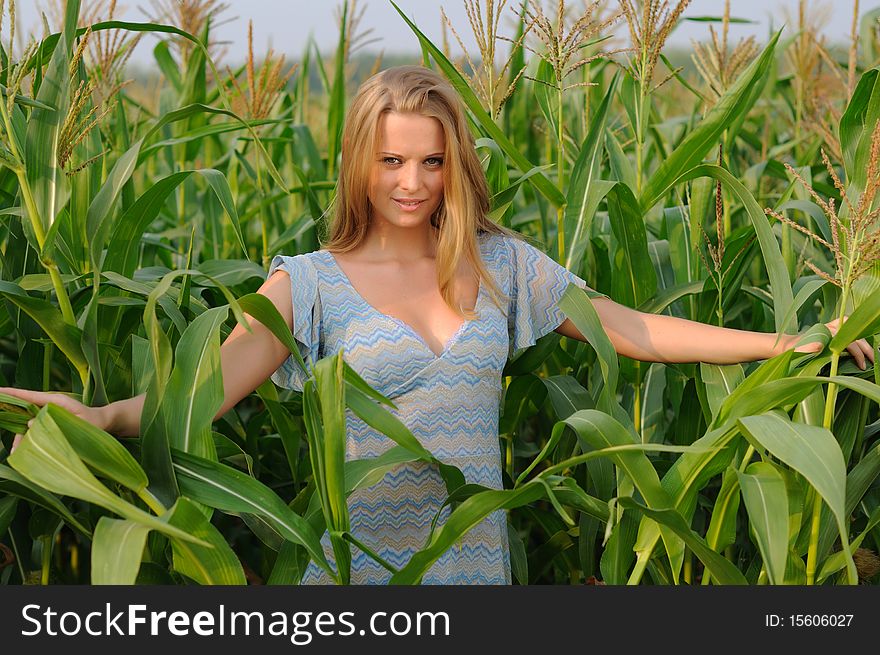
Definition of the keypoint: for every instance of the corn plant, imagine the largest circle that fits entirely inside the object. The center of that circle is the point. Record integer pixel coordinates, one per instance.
(135, 228)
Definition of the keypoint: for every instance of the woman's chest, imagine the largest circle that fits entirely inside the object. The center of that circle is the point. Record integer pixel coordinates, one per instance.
(396, 346)
(411, 296)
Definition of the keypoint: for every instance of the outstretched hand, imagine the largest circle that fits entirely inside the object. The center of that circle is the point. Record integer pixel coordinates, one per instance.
(860, 350)
(93, 415)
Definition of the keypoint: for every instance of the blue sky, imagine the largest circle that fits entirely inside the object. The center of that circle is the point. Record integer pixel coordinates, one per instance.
(287, 24)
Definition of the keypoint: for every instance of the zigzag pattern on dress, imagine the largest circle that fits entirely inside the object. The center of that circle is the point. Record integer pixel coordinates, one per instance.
(450, 402)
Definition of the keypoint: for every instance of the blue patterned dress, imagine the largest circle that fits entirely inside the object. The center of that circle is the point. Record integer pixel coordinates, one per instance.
(450, 402)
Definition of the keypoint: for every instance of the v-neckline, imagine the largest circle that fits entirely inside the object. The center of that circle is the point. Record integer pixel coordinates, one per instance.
(415, 333)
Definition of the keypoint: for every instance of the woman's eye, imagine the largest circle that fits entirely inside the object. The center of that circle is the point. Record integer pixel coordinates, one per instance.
(434, 161)
(390, 160)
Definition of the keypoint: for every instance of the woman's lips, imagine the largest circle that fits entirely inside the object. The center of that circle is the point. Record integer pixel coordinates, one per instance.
(408, 205)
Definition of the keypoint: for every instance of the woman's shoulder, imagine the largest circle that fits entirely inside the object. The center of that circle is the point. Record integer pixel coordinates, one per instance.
(301, 264)
(494, 241)
(504, 245)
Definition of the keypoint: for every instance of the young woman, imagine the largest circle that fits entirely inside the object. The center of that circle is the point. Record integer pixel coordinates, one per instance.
(428, 298)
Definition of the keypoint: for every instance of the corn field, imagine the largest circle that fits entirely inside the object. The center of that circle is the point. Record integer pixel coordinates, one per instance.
(737, 187)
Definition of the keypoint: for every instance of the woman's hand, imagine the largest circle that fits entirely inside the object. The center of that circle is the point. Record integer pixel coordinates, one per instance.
(860, 350)
(94, 415)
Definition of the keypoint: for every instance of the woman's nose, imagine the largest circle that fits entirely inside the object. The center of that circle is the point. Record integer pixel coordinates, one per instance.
(410, 176)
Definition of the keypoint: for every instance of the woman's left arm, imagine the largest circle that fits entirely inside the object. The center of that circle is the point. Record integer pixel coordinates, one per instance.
(661, 338)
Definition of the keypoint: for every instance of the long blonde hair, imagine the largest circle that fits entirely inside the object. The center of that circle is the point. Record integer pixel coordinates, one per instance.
(463, 212)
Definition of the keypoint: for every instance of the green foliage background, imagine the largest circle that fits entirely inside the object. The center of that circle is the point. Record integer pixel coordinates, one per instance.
(125, 266)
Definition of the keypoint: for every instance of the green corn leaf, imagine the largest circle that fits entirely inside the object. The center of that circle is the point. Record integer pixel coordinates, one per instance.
(117, 549)
(577, 306)
(166, 63)
(687, 475)
(288, 569)
(15, 413)
(720, 382)
(336, 111)
(858, 481)
(807, 291)
(125, 240)
(722, 571)
(837, 561)
(128, 229)
(155, 448)
(91, 349)
(766, 501)
(48, 184)
(229, 490)
(214, 565)
(194, 393)
(788, 391)
(690, 472)
(98, 221)
(735, 102)
(811, 451)
(156, 428)
(464, 517)
(634, 279)
(596, 431)
(8, 506)
(230, 272)
(495, 166)
(385, 422)
(617, 554)
(531, 358)
(46, 458)
(666, 297)
(24, 100)
(856, 125)
(262, 309)
(288, 428)
(523, 397)
(586, 190)
(769, 371)
(721, 532)
(203, 132)
(15, 484)
(330, 388)
(361, 473)
(219, 184)
(100, 451)
(566, 395)
(376, 416)
(67, 337)
(772, 257)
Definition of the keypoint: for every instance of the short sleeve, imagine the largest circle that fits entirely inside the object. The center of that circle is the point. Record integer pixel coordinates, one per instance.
(306, 318)
(537, 285)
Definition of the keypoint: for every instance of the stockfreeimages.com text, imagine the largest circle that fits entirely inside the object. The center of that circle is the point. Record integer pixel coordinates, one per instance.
(136, 620)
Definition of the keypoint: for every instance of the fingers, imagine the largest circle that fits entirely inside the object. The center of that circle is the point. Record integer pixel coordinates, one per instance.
(35, 397)
(862, 352)
(857, 354)
(867, 348)
(811, 347)
(40, 398)
(18, 437)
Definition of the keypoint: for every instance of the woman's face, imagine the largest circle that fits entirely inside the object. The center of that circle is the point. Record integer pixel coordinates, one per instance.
(406, 179)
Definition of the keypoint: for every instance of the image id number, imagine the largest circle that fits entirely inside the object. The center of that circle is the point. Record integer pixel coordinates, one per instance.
(808, 620)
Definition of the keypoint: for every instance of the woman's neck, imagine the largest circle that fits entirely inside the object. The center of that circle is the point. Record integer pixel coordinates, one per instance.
(386, 242)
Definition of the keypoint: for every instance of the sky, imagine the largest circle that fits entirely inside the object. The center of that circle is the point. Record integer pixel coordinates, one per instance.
(286, 25)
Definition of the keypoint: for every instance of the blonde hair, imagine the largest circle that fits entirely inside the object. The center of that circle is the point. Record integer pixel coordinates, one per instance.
(463, 212)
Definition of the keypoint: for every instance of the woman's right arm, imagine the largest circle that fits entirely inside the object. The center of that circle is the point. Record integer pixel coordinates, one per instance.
(247, 359)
